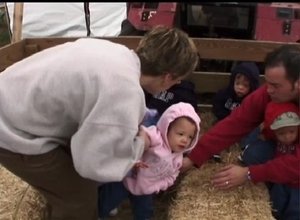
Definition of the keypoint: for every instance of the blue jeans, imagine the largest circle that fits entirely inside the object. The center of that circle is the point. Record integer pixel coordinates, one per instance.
(285, 199)
(151, 120)
(250, 138)
(112, 194)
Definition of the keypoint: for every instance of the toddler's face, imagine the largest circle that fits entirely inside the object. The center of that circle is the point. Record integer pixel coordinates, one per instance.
(287, 135)
(181, 134)
(241, 85)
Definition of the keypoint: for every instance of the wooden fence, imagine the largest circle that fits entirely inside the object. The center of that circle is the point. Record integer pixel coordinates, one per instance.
(209, 48)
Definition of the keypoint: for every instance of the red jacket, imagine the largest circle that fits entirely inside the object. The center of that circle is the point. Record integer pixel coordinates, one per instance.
(284, 169)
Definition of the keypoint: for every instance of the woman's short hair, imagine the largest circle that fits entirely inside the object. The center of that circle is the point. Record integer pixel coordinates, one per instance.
(167, 50)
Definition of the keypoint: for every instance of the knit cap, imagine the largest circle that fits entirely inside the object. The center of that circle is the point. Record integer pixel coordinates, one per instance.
(285, 119)
(248, 69)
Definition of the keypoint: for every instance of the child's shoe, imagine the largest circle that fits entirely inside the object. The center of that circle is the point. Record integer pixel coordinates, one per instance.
(217, 158)
(113, 212)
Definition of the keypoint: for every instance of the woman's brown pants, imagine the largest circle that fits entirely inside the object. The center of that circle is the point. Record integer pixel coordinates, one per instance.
(69, 196)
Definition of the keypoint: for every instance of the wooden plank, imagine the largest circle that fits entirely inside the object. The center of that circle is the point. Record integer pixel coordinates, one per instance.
(31, 49)
(209, 48)
(17, 22)
(204, 107)
(11, 53)
(206, 83)
(43, 43)
(210, 82)
(130, 42)
(238, 50)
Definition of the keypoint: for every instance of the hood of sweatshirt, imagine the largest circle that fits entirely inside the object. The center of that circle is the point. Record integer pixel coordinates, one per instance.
(249, 70)
(180, 109)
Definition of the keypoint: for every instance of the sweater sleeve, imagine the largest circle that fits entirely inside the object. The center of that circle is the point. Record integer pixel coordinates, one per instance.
(284, 169)
(241, 121)
(106, 147)
(107, 157)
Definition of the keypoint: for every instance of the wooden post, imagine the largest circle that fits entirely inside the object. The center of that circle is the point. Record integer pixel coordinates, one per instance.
(17, 22)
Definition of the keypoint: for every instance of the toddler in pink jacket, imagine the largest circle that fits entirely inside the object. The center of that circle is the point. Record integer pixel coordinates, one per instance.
(175, 133)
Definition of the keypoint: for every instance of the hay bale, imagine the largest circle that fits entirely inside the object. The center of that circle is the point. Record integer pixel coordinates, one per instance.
(18, 200)
(196, 198)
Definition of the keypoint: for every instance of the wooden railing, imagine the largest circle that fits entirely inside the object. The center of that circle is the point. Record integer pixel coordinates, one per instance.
(209, 48)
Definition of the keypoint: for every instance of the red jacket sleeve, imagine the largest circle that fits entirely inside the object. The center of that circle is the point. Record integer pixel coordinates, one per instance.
(233, 128)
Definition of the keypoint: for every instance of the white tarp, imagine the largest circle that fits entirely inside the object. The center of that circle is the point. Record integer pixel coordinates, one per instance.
(68, 19)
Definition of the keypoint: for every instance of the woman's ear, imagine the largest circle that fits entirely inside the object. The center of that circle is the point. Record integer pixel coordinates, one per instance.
(168, 78)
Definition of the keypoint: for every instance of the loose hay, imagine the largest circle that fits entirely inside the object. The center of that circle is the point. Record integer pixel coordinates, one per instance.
(196, 198)
(18, 200)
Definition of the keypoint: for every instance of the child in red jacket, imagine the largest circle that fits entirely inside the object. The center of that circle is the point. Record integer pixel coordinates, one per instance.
(282, 123)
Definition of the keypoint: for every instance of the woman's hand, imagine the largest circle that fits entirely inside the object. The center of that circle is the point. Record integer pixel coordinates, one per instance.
(140, 164)
(145, 137)
(230, 176)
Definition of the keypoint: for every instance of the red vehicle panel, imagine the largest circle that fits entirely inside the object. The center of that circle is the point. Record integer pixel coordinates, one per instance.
(278, 22)
(143, 16)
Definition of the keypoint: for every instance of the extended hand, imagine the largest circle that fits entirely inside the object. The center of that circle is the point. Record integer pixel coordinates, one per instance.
(230, 176)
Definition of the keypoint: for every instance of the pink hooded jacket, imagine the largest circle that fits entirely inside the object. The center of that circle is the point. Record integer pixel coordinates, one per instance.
(163, 164)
